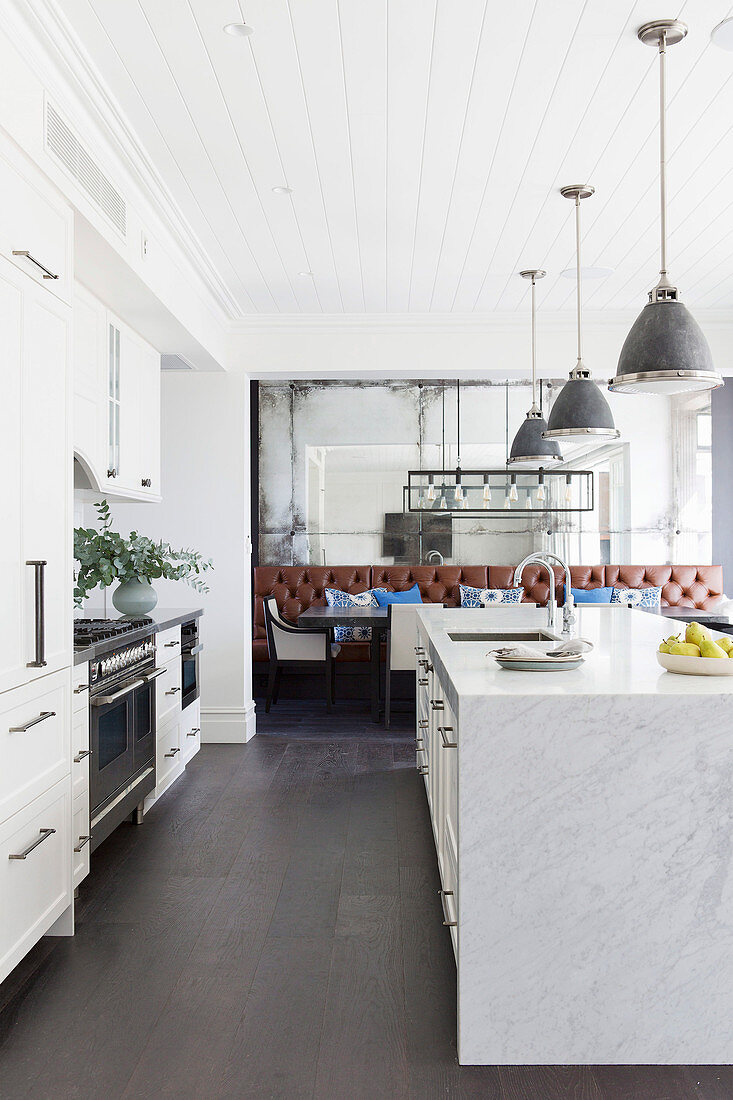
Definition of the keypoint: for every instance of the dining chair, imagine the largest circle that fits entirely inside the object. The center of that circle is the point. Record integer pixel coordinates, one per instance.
(295, 649)
(401, 628)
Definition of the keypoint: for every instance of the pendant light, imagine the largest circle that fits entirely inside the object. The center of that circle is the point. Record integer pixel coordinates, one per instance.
(529, 446)
(580, 410)
(665, 351)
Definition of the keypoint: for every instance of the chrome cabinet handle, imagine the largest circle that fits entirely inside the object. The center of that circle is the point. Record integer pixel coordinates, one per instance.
(423, 723)
(146, 482)
(423, 682)
(423, 664)
(173, 752)
(419, 742)
(196, 648)
(444, 731)
(194, 731)
(101, 700)
(423, 769)
(33, 722)
(168, 645)
(443, 895)
(82, 841)
(430, 667)
(154, 674)
(47, 273)
(45, 834)
(173, 691)
(82, 687)
(82, 755)
(40, 609)
(419, 650)
(112, 472)
(437, 704)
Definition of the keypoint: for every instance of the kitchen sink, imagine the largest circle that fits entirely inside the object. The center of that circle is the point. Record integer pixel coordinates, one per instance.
(505, 636)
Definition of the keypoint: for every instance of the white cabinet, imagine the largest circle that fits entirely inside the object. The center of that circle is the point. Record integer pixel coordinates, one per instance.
(168, 756)
(190, 731)
(116, 402)
(12, 569)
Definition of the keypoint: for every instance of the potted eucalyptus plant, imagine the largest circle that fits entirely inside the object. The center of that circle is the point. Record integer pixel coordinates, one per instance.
(104, 556)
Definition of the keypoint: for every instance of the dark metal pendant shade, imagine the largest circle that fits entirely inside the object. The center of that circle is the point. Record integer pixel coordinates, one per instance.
(530, 447)
(665, 352)
(581, 410)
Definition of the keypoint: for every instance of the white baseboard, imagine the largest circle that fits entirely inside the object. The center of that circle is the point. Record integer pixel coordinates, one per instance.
(228, 725)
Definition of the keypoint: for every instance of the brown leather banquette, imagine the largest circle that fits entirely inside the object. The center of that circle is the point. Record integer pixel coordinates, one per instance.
(297, 587)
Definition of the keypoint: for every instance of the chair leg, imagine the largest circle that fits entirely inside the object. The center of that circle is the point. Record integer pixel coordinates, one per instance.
(276, 685)
(333, 681)
(387, 695)
(270, 687)
(329, 702)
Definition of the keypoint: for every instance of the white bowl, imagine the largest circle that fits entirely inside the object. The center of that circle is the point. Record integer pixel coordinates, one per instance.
(696, 666)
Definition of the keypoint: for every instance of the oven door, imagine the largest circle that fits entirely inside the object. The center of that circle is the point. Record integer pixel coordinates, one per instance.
(190, 689)
(111, 731)
(144, 716)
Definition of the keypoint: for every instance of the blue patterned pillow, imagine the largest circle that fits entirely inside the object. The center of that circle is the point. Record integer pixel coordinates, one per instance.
(478, 597)
(638, 597)
(336, 598)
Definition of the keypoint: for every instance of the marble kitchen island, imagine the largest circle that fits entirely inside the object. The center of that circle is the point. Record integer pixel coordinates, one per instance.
(584, 827)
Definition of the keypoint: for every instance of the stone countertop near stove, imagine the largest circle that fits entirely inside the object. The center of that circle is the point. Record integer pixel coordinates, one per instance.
(162, 619)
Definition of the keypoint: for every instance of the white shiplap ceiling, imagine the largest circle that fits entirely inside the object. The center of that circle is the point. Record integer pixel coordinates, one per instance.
(425, 142)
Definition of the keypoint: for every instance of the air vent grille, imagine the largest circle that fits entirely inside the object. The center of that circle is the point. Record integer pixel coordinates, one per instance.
(175, 362)
(63, 143)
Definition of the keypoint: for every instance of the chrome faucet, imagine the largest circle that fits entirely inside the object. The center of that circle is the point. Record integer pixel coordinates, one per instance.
(568, 607)
(538, 559)
(437, 554)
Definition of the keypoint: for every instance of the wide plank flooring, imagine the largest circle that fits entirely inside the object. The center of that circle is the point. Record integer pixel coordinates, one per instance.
(273, 930)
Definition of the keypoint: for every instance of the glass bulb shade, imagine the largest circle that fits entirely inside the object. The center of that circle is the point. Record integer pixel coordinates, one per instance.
(528, 502)
(443, 502)
(541, 492)
(421, 501)
(530, 448)
(513, 494)
(568, 494)
(487, 493)
(431, 492)
(458, 493)
(507, 503)
(581, 410)
(665, 352)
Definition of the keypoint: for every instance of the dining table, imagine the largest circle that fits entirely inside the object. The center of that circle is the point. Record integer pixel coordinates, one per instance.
(374, 617)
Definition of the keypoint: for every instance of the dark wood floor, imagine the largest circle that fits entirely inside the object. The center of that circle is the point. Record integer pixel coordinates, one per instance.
(272, 930)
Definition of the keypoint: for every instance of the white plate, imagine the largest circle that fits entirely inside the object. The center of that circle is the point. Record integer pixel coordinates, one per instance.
(526, 664)
(696, 666)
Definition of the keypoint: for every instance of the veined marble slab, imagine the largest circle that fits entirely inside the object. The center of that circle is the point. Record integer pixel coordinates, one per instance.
(595, 839)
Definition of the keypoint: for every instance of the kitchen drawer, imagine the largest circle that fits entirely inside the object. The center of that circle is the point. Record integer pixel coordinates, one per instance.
(190, 730)
(80, 839)
(168, 755)
(168, 690)
(168, 645)
(80, 687)
(34, 219)
(449, 897)
(36, 890)
(34, 740)
(80, 754)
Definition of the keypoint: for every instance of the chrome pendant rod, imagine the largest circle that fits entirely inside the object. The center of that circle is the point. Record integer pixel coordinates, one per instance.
(577, 278)
(534, 346)
(663, 147)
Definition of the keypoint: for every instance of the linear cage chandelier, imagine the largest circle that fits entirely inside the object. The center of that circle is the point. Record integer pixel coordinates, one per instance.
(499, 491)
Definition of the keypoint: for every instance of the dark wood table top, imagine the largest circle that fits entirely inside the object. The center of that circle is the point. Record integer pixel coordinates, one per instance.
(343, 616)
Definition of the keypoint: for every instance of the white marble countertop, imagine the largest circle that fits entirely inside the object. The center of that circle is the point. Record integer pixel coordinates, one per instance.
(623, 660)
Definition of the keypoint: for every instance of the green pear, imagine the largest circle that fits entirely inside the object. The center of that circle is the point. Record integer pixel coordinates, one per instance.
(663, 647)
(697, 634)
(666, 644)
(725, 643)
(711, 649)
(687, 649)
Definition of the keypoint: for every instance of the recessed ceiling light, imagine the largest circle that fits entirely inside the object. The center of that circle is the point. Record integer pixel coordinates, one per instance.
(239, 30)
(588, 272)
(722, 35)
(306, 273)
(282, 190)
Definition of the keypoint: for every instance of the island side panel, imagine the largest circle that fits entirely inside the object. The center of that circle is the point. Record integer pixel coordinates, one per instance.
(596, 900)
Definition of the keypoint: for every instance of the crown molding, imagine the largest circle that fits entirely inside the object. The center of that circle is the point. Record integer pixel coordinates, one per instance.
(71, 77)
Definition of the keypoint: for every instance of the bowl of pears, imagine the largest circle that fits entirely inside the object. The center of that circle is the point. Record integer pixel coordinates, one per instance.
(698, 654)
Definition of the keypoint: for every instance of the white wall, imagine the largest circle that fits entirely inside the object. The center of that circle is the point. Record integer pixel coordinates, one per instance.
(206, 506)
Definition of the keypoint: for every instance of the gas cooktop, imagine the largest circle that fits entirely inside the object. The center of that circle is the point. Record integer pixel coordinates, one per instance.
(89, 631)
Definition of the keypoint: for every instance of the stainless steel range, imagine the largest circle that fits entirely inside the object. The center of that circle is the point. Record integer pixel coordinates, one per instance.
(121, 722)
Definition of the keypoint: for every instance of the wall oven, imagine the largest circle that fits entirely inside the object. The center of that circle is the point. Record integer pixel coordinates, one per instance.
(190, 649)
(122, 736)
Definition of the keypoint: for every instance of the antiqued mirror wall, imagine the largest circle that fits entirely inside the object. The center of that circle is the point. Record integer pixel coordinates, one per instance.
(333, 461)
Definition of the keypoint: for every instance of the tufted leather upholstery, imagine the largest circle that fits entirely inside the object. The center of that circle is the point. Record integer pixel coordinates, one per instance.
(297, 587)
(698, 586)
(437, 584)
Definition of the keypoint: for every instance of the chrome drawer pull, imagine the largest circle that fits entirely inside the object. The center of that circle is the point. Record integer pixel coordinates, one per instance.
(423, 664)
(444, 731)
(423, 723)
(419, 741)
(82, 687)
(423, 769)
(437, 704)
(419, 650)
(33, 722)
(168, 645)
(173, 691)
(82, 841)
(430, 668)
(146, 482)
(47, 273)
(194, 731)
(195, 649)
(423, 682)
(154, 674)
(45, 834)
(82, 755)
(39, 603)
(443, 895)
(102, 700)
(173, 752)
